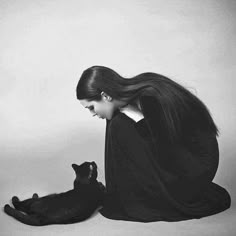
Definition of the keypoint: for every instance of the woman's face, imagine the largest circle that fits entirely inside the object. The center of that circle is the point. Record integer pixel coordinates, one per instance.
(103, 108)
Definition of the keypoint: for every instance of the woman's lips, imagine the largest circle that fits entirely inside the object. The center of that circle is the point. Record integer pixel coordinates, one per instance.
(98, 116)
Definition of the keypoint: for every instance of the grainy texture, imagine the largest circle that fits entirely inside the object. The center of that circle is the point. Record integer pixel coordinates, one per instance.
(147, 181)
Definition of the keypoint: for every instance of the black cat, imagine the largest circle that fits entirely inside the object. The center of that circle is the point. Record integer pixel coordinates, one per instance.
(68, 207)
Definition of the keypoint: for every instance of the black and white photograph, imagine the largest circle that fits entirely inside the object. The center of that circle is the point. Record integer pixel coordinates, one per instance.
(117, 117)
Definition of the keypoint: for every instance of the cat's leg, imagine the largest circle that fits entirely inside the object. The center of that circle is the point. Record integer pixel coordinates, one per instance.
(24, 205)
(15, 201)
(24, 218)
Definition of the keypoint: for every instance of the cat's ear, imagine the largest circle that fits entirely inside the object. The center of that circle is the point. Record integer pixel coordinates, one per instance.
(75, 167)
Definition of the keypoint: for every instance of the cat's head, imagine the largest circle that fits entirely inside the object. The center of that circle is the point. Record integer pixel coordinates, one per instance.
(86, 173)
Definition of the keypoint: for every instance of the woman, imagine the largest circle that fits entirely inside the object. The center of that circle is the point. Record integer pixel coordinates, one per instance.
(161, 151)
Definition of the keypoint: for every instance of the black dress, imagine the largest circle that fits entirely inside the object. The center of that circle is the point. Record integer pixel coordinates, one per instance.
(147, 180)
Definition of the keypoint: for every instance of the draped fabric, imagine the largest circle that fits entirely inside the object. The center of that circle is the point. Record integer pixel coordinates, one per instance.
(148, 179)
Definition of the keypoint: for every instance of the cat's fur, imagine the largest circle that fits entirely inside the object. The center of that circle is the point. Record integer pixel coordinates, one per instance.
(68, 207)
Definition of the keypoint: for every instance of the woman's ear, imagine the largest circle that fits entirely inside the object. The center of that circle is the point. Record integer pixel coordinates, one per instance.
(106, 96)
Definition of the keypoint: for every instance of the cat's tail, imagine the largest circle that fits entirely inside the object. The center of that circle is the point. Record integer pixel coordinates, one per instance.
(24, 218)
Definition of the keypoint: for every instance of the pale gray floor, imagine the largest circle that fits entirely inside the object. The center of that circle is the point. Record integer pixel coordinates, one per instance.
(55, 175)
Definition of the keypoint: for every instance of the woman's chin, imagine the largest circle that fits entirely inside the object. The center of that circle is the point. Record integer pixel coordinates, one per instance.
(101, 117)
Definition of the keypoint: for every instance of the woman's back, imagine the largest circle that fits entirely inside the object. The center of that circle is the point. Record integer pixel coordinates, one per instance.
(161, 156)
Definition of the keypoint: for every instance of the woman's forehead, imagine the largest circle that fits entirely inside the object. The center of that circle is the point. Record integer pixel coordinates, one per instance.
(85, 102)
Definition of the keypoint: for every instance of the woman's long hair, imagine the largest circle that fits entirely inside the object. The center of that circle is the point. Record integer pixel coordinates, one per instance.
(180, 109)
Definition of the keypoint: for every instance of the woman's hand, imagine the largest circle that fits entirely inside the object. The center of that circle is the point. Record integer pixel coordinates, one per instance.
(132, 112)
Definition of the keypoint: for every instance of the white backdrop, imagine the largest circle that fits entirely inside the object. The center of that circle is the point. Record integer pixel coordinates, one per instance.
(46, 45)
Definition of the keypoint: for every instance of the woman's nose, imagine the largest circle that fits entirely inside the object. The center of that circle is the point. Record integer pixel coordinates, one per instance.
(93, 113)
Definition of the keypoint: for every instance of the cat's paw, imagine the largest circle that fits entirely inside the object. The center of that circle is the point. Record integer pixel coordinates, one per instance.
(7, 208)
(35, 195)
(14, 200)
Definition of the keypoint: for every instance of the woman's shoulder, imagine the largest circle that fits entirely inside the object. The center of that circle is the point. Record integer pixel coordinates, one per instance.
(121, 126)
(117, 119)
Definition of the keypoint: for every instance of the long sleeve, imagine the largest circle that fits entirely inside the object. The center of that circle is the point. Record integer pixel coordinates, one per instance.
(144, 183)
(194, 160)
(135, 180)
